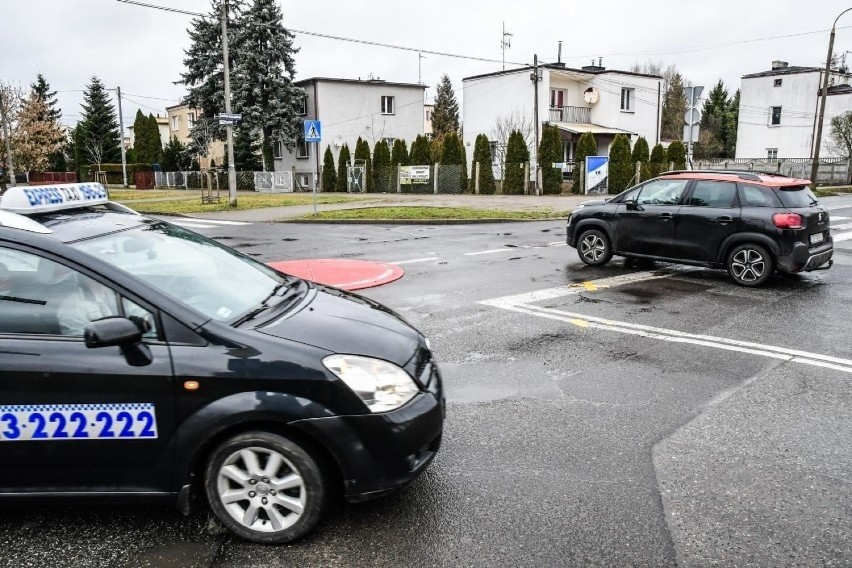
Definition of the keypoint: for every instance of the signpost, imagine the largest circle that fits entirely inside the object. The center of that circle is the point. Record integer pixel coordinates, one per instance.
(597, 174)
(229, 118)
(313, 133)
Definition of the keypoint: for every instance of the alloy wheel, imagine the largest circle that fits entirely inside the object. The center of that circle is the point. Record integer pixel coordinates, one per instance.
(593, 248)
(748, 265)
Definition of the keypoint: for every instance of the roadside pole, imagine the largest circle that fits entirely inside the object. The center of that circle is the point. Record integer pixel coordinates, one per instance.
(9, 167)
(123, 151)
(229, 127)
(535, 80)
(316, 181)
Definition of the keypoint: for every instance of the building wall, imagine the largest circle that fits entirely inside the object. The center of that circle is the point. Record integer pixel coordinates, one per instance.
(178, 126)
(349, 110)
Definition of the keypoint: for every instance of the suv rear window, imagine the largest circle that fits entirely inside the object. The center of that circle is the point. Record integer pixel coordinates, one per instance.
(757, 196)
(793, 197)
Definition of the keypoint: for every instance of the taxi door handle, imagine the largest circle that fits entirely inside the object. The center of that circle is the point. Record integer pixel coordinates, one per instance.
(666, 216)
(724, 220)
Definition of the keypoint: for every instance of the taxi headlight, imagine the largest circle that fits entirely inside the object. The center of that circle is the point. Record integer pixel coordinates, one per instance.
(381, 385)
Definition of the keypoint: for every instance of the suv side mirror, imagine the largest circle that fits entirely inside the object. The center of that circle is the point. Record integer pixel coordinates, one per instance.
(111, 331)
(632, 205)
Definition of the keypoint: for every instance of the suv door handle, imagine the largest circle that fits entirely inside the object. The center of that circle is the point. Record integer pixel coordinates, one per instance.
(724, 220)
(666, 216)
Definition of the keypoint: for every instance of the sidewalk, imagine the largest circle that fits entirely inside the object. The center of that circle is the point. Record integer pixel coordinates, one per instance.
(495, 202)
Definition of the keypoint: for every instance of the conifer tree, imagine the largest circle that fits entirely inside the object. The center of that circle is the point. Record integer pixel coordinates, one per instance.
(674, 108)
(381, 166)
(36, 137)
(246, 150)
(482, 156)
(154, 141)
(343, 163)
(362, 152)
(586, 146)
(658, 162)
(53, 116)
(452, 154)
(445, 114)
(677, 154)
(399, 153)
(101, 138)
(549, 152)
(329, 175)
(421, 154)
(641, 154)
(621, 168)
(517, 154)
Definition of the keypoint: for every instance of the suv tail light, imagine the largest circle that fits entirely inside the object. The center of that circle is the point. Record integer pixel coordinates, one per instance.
(787, 220)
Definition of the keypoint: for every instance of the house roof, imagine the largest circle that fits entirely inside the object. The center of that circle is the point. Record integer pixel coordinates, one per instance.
(791, 70)
(839, 90)
(560, 67)
(583, 127)
(373, 82)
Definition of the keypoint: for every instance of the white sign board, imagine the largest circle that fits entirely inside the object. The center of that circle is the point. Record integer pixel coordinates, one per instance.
(414, 174)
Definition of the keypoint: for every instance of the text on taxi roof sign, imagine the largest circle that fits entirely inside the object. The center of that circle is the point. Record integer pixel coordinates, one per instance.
(46, 198)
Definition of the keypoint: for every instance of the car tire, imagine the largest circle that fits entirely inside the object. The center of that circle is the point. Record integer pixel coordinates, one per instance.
(265, 488)
(750, 265)
(594, 248)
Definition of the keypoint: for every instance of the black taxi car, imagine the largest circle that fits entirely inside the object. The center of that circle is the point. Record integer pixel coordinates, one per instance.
(140, 359)
(750, 223)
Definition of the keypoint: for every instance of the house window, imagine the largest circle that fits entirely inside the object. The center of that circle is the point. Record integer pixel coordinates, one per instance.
(302, 106)
(302, 150)
(428, 115)
(278, 149)
(775, 116)
(175, 122)
(191, 119)
(304, 181)
(627, 102)
(387, 105)
(557, 98)
(772, 154)
(778, 82)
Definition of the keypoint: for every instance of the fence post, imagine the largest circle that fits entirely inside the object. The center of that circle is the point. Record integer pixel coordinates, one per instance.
(526, 178)
(293, 178)
(398, 183)
(436, 178)
(832, 173)
(638, 173)
(671, 166)
(476, 178)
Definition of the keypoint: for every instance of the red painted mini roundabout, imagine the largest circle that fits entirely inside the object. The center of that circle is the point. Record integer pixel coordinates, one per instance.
(341, 272)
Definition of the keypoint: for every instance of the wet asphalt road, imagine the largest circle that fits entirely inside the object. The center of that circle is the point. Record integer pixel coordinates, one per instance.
(569, 441)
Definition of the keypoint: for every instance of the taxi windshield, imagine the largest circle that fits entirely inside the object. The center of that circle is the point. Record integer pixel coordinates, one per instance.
(214, 279)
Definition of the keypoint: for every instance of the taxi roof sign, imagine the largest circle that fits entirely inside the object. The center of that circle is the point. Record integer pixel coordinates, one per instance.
(47, 198)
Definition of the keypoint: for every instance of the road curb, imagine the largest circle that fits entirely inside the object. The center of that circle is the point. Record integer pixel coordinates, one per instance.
(413, 221)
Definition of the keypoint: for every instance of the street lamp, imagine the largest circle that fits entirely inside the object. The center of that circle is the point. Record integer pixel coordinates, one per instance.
(818, 138)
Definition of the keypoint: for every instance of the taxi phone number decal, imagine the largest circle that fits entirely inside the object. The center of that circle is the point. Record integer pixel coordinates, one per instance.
(77, 422)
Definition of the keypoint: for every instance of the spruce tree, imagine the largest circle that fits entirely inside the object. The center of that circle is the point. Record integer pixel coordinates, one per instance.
(343, 163)
(549, 152)
(399, 153)
(381, 167)
(452, 155)
(658, 162)
(677, 155)
(329, 174)
(53, 116)
(263, 72)
(445, 114)
(246, 150)
(176, 158)
(674, 108)
(482, 156)
(421, 154)
(362, 152)
(621, 168)
(586, 146)
(101, 137)
(142, 143)
(36, 137)
(154, 141)
(517, 154)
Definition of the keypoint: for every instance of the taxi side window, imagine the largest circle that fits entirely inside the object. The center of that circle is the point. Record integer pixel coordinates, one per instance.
(41, 297)
(143, 319)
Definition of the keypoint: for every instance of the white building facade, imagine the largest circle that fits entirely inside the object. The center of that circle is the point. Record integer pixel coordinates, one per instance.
(778, 111)
(350, 109)
(592, 99)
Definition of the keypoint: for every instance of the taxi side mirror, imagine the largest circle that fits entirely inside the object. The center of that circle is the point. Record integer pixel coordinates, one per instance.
(111, 331)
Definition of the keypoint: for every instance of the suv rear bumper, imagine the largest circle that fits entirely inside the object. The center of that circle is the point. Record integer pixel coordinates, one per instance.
(803, 259)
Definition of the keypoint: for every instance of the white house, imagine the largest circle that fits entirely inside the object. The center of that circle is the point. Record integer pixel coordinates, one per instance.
(371, 109)
(778, 111)
(591, 99)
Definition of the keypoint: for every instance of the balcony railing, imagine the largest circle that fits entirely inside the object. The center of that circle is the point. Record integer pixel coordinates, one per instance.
(571, 114)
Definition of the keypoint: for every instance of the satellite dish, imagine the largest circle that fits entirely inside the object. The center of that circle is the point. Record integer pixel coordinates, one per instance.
(338, 141)
(591, 95)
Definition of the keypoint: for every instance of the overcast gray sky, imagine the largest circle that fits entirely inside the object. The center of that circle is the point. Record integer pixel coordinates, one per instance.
(141, 49)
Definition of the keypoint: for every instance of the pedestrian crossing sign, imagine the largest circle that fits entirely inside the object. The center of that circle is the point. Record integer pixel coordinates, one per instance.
(313, 131)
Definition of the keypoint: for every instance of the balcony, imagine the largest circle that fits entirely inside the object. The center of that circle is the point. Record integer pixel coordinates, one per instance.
(582, 115)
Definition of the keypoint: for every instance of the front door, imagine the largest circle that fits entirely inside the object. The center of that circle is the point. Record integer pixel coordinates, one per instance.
(709, 215)
(73, 418)
(645, 221)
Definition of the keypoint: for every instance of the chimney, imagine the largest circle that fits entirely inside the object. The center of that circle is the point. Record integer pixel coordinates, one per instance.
(593, 67)
(778, 64)
(559, 53)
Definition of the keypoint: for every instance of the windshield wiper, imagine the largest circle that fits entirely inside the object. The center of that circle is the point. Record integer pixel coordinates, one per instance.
(250, 315)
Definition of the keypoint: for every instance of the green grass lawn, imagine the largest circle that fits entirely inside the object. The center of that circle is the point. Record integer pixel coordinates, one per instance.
(133, 194)
(192, 204)
(432, 213)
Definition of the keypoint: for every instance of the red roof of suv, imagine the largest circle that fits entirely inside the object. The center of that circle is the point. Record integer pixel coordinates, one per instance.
(757, 178)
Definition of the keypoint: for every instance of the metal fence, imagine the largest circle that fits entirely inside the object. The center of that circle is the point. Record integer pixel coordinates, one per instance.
(442, 179)
(832, 171)
(273, 182)
(198, 180)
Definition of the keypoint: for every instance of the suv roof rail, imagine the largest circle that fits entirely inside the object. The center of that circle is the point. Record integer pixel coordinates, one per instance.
(752, 175)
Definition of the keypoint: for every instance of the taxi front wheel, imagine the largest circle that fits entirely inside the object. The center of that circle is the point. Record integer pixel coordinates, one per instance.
(265, 488)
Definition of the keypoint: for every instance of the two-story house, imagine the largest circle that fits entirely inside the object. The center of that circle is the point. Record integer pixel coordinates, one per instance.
(591, 99)
(181, 120)
(778, 111)
(371, 109)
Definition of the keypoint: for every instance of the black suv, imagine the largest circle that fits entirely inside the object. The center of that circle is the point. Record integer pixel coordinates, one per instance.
(751, 224)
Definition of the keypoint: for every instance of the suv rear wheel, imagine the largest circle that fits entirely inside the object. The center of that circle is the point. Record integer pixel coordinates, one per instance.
(265, 488)
(594, 248)
(750, 265)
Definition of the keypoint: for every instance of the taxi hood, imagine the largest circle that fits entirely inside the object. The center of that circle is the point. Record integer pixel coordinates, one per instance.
(346, 323)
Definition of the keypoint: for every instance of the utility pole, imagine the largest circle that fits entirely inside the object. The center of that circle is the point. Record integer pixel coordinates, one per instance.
(9, 165)
(229, 128)
(505, 43)
(818, 140)
(535, 79)
(123, 151)
(420, 57)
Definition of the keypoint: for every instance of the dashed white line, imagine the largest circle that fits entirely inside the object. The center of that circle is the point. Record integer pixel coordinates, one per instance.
(841, 237)
(414, 260)
(192, 225)
(491, 251)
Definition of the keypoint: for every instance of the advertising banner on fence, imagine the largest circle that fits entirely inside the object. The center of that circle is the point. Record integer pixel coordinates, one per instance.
(597, 174)
(413, 174)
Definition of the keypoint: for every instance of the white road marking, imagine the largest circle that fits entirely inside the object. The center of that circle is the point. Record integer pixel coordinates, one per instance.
(519, 247)
(836, 207)
(191, 225)
(212, 221)
(491, 251)
(833, 218)
(521, 303)
(414, 260)
(841, 237)
(841, 227)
